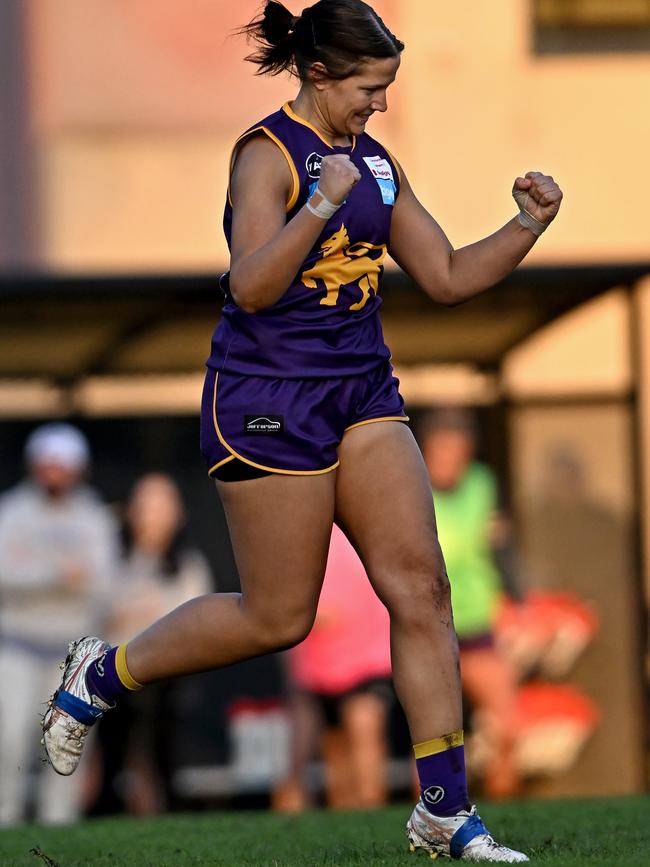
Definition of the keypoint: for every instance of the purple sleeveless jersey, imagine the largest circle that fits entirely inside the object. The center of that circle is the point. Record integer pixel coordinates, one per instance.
(327, 322)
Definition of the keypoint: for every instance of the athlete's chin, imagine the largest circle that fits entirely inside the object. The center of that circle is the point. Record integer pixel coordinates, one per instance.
(358, 122)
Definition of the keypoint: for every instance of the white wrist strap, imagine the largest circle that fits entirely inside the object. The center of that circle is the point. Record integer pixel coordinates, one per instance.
(324, 209)
(529, 222)
(525, 217)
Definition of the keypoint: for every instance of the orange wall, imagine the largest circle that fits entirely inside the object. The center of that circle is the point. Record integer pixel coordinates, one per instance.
(135, 103)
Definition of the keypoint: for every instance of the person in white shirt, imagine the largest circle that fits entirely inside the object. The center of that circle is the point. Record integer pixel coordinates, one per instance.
(58, 548)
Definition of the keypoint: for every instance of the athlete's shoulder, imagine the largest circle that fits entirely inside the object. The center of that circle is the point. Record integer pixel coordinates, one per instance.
(271, 121)
(265, 146)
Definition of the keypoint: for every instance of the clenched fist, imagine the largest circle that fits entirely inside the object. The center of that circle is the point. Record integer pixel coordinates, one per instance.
(338, 174)
(538, 195)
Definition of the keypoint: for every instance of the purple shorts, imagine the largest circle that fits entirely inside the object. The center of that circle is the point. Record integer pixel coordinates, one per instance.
(290, 426)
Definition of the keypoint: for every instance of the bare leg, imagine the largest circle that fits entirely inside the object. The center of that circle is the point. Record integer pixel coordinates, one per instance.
(489, 684)
(291, 794)
(364, 721)
(339, 784)
(384, 504)
(280, 528)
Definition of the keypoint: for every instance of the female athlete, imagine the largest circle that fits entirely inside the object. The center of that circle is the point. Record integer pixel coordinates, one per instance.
(302, 422)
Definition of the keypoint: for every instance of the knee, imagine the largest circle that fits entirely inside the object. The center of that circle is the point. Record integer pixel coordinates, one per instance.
(283, 632)
(420, 593)
(431, 597)
(292, 633)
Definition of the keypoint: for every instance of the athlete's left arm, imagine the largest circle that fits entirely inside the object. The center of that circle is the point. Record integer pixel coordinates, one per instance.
(421, 248)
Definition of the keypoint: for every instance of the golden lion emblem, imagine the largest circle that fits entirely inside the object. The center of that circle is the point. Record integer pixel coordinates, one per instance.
(342, 264)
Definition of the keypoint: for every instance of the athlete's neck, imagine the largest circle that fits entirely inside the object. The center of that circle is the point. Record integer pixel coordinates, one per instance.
(307, 108)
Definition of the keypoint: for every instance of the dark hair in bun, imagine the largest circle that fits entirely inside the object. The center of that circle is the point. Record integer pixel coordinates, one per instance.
(340, 34)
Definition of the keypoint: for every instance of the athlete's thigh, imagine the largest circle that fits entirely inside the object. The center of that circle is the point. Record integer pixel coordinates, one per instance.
(280, 528)
(385, 506)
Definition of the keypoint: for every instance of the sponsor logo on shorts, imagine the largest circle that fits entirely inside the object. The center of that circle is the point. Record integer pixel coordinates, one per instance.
(263, 424)
(313, 164)
(434, 794)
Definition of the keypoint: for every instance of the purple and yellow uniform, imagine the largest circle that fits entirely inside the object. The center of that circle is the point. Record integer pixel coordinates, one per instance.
(284, 384)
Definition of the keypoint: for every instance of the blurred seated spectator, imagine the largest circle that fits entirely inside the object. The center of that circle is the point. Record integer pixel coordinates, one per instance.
(341, 691)
(57, 560)
(475, 541)
(546, 634)
(158, 572)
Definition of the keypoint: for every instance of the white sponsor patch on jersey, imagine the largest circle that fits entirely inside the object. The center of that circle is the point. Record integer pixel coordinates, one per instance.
(383, 174)
(379, 167)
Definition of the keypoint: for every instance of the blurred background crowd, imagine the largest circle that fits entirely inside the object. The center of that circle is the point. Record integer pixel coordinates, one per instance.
(531, 405)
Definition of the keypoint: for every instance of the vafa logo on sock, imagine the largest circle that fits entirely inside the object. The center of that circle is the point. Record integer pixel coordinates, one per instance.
(434, 794)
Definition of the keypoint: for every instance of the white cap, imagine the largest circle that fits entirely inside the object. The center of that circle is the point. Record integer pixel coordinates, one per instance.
(58, 444)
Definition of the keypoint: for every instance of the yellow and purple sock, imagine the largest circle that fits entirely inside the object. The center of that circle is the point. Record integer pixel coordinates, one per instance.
(441, 768)
(109, 677)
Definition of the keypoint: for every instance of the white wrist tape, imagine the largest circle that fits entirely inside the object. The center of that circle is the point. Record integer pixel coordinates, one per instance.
(525, 217)
(529, 222)
(324, 209)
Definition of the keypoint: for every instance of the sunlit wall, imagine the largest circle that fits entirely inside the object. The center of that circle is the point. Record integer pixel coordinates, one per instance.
(133, 106)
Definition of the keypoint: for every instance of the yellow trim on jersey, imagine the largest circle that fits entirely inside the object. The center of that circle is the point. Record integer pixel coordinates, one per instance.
(438, 745)
(121, 668)
(288, 110)
(395, 163)
(372, 420)
(295, 181)
(221, 463)
(252, 463)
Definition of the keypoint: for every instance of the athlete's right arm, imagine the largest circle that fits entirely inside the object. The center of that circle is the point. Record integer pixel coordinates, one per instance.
(266, 251)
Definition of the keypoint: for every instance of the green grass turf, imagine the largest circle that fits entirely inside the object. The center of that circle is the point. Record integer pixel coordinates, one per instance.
(612, 832)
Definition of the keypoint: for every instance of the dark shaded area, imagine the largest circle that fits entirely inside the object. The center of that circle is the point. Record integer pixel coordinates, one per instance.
(67, 327)
(564, 39)
(580, 27)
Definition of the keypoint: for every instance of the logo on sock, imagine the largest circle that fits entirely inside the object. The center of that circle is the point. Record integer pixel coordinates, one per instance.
(99, 665)
(434, 794)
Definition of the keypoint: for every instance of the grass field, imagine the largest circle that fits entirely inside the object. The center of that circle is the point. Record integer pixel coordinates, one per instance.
(612, 832)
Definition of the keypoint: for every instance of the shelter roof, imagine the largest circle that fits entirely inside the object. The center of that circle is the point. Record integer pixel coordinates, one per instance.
(67, 327)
